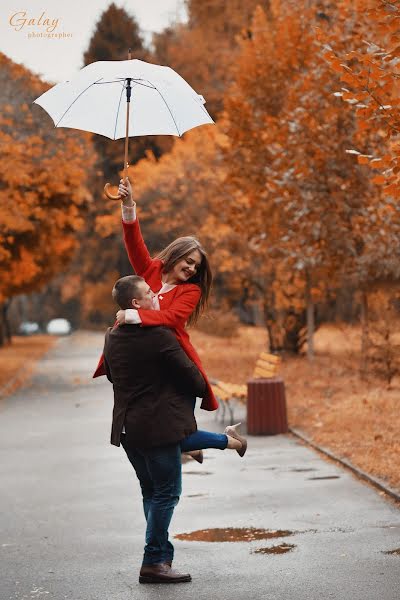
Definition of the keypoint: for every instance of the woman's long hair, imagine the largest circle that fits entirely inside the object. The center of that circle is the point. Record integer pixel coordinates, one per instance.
(178, 250)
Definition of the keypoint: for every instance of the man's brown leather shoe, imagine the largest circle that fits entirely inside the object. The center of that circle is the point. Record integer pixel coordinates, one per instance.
(162, 573)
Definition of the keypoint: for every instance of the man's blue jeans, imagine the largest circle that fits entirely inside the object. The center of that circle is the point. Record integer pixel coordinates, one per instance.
(159, 471)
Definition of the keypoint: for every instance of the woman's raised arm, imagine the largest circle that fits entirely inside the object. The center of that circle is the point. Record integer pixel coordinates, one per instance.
(136, 248)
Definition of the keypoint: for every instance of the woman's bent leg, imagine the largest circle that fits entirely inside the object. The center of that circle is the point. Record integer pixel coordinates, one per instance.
(200, 440)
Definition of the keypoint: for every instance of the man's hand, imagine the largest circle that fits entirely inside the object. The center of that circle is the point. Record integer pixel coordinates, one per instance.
(125, 192)
(120, 317)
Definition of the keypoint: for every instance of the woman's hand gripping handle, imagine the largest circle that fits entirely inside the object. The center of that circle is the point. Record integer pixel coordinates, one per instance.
(124, 192)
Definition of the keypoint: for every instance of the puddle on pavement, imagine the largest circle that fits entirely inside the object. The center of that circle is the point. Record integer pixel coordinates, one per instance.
(196, 472)
(302, 470)
(395, 552)
(196, 495)
(259, 468)
(233, 534)
(325, 477)
(281, 549)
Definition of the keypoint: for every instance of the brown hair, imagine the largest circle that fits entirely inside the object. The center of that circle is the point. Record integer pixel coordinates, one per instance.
(178, 250)
(125, 289)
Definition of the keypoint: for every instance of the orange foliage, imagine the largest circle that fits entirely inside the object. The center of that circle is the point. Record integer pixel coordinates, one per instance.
(204, 50)
(18, 361)
(357, 420)
(43, 190)
(367, 61)
(299, 198)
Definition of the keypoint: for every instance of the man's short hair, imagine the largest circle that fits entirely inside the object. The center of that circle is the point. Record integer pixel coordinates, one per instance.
(125, 289)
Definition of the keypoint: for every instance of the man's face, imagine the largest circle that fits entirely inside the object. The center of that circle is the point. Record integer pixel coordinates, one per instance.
(145, 297)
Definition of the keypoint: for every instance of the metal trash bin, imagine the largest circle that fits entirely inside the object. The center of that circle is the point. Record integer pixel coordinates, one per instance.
(266, 406)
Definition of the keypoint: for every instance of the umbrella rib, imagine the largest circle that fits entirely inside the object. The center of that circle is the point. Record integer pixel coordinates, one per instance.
(85, 90)
(169, 110)
(139, 82)
(119, 104)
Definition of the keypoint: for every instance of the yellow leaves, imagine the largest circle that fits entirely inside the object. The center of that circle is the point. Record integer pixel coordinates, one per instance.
(43, 173)
(97, 295)
(336, 66)
(347, 78)
(363, 159)
(379, 179)
(377, 163)
(392, 190)
(367, 55)
(363, 125)
(349, 96)
(107, 225)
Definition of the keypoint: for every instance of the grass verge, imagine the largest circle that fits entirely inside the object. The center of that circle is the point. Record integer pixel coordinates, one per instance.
(18, 359)
(357, 420)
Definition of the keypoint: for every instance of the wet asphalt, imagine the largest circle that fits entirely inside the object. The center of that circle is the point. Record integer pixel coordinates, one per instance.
(71, 518)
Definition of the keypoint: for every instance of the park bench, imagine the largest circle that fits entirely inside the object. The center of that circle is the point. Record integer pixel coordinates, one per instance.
(267, 366)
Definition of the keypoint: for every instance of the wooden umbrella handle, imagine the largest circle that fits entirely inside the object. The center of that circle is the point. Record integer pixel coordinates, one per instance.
(109, 194)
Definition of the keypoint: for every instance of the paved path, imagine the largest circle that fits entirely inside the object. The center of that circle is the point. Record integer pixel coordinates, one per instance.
(71, 519)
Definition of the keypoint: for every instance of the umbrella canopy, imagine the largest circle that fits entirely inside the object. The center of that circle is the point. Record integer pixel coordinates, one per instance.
(95, 100)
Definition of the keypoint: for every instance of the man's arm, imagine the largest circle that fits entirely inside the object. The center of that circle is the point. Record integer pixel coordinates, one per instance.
(183, 371)
(106, 365)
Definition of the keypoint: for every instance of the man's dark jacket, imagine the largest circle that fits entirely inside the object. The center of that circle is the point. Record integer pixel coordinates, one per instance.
(154, 384)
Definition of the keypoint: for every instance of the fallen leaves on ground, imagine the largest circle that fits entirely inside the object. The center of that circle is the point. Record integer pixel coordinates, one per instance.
(17, 360)
(358, 420)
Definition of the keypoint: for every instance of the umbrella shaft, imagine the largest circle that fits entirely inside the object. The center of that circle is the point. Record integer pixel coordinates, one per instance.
(128, 99)
(128, 89)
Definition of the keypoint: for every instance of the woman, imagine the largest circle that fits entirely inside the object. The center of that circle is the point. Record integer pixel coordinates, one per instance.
(180, 277)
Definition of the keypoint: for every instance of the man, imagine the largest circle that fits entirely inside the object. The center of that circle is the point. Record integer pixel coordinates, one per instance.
(153, 381)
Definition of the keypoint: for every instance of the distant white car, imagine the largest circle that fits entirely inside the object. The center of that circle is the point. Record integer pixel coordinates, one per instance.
(59, 327)
(28, 328)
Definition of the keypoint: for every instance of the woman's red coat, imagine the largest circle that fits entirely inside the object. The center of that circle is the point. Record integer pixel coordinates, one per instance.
(176, 306)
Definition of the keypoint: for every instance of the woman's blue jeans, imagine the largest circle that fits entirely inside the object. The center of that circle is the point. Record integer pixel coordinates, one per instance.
(200, 440)
(159, 471)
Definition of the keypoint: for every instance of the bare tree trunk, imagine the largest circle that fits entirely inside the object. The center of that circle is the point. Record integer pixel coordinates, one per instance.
(7, 325)
(2, 332)
(364, 334)
(310, 319)
(5, 330)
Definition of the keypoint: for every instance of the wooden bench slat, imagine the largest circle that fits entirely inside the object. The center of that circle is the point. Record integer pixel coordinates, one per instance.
(273, 358)
(230, 390)
(265, 365)
(263, 372)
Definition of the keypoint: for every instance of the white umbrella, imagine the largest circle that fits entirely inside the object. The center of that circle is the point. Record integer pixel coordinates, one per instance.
(158, 101)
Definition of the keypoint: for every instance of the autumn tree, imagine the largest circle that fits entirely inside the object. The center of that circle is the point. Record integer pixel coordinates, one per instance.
(203, 50)
(368, 69)
(366, 60)
(43, 187)
(296, 191)
(115, 32)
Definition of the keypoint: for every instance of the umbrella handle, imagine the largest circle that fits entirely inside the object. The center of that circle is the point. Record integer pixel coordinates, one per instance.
(109, 194)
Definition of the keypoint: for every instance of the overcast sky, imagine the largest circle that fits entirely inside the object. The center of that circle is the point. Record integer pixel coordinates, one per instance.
(56, 58)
